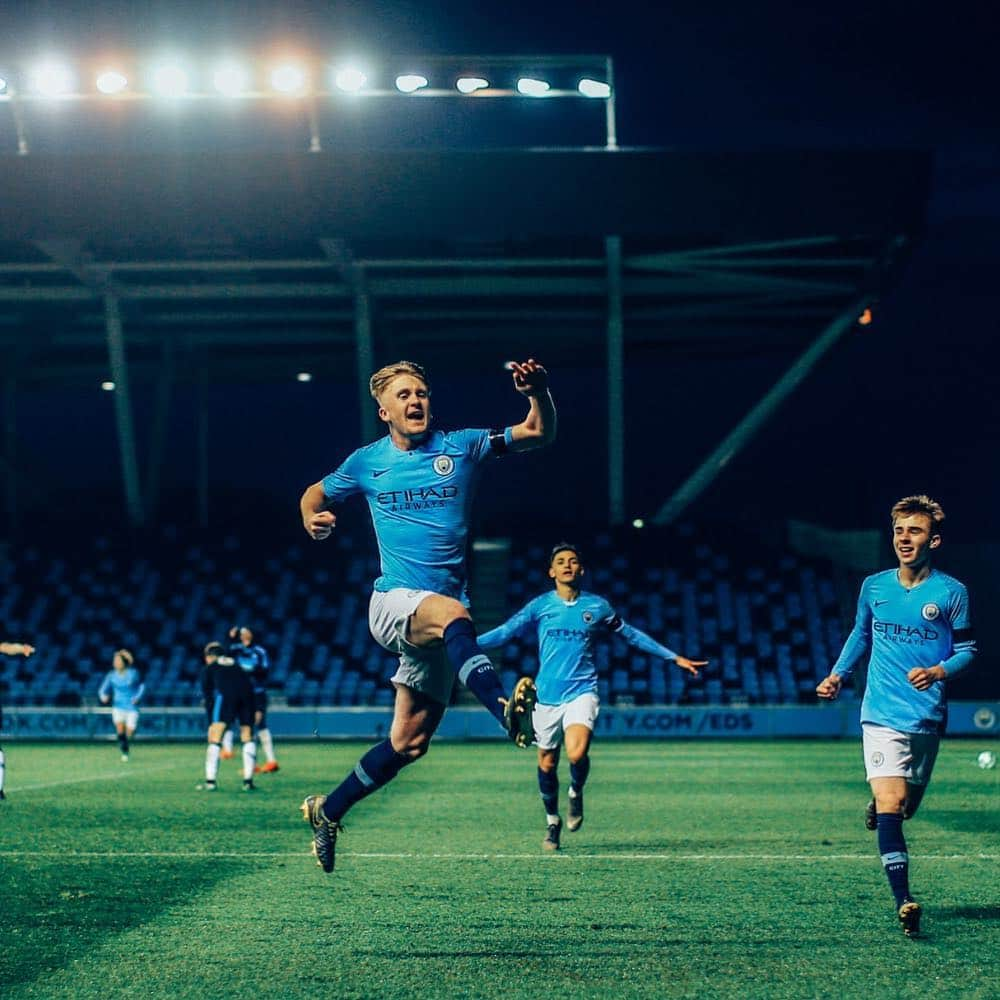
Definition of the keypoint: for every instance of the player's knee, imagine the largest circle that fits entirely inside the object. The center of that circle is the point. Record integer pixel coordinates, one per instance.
(414, 747)
(548, 762)
(889, 802)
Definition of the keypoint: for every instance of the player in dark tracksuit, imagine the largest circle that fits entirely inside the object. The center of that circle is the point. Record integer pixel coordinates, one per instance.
(228, 699)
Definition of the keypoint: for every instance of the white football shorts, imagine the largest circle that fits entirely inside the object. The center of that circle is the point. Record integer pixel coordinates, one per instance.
(424, 668)
(125, 716)
(551, 721)
(892, 754)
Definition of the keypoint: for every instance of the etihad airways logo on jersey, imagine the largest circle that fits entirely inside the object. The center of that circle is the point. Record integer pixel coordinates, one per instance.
(422, 498)
(566, 633)
(904, 634)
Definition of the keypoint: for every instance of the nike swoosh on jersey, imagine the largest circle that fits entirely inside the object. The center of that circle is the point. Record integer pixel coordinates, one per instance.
(877, 603)
(378, 472)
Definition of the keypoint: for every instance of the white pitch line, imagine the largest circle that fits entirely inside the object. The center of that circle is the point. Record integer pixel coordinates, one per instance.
(391, 856)
(132, 771)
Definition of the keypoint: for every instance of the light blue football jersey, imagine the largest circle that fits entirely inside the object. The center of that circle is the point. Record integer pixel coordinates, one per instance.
(420, 502)
(567, 632)
(906, 628)
(126, 688)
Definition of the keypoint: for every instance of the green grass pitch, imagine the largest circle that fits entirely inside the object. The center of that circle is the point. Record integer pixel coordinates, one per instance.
(702, 870)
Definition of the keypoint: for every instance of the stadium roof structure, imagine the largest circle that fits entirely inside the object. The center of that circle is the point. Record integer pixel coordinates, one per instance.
(238, 266)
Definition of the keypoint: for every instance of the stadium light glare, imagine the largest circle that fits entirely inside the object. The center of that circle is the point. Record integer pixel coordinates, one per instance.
(410, 82)
(3, 85)
(865, 319)
(110, 81)
(230, 79)
(170, 80)
(350, 79)
(470, 84)
(593, 88)
(638, 523)
(303, 377)
(108, 386)
(52, 79)
(289, 78)
(531, 87)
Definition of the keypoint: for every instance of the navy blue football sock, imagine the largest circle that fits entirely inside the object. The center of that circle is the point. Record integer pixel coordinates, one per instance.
(895, 860)
(123, 742)
(578, 773)
(377, 768)
(473, 666)
(548, 785)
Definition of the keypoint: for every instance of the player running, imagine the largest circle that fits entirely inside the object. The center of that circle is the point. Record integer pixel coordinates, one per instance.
(567, 622)
(229, 698)
(419, 485)
(915, 621)
(123, 688)
(10, 649)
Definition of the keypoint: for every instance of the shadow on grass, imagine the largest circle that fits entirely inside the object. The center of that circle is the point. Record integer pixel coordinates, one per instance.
(55, 911)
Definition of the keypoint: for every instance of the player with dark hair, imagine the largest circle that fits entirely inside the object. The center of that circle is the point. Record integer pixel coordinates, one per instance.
(419, 485)
(123, 688)
(915, 622)
(10, 649)
(252, 657)
(567, 621)
(229, 697)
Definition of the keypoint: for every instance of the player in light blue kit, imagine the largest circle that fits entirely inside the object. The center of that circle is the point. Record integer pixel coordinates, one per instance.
(915, 621)
(419, 485)
(567, 622)
(123, 687)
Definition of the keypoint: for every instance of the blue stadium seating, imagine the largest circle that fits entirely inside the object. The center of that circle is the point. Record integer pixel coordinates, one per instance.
(771, 624)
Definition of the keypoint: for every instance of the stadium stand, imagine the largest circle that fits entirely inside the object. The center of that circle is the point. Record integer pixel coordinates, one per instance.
(770, 623)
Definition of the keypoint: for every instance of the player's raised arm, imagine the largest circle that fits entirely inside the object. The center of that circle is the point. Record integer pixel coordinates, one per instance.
(638, 639)
(316, 519)
(510, 629)
(16, 649)
(539, 426)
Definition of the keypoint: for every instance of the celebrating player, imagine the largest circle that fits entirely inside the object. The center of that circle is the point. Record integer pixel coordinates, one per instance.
(567, 621)
(229, 695)
(10, 649)
(123, 687)
(915, 621)
(419, 484)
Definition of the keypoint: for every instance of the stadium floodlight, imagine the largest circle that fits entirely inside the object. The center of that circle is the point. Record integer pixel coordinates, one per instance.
(593, 88)
(531, 87)
(108, 386)
(350, 79)
(303, 377)
(231, 79)
(52, 79)
(110, 81)
(170, 80)
(410, 82)
(288, 78)
(638, 523)
(470, 84)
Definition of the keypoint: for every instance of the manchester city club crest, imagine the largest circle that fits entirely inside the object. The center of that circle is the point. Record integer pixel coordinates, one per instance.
(878, 758)
(588, 617)
(443, 465)
(930, 612)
